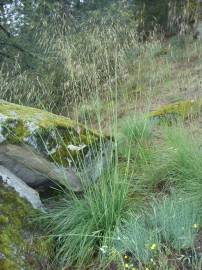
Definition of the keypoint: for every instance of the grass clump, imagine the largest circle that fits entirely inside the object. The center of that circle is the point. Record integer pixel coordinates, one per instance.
(135, 139)
(171, 224)
(137, 129)
(82, 226)
(155, 174)
(187, 163)
(177, 221)
(175, 161)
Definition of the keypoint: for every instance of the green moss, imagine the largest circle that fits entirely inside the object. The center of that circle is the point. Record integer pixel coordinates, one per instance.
(3, 220)
(49, 133)
(172, 112)
(7, 264)
(53, 143)
(42, 118)
(15, 130)
(17, 233)
(60, 156)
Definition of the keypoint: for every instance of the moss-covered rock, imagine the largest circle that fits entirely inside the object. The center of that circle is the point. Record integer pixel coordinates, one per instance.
(45, 131)
(20, 246)
(59, 140)
(175, 111)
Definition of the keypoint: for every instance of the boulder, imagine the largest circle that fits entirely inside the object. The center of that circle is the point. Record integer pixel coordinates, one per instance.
(41, 148)
(21, 244)
(23, 190)
(175, 111)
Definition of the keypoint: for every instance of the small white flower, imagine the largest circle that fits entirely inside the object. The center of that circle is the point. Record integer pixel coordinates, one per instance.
(72, 147)
(103, 249)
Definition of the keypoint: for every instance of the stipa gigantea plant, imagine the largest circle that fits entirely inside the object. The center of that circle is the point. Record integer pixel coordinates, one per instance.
(82, 226)
(14, 87)
(79, 72)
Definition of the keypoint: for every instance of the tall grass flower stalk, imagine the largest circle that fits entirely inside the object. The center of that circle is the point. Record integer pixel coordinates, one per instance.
(83, 226)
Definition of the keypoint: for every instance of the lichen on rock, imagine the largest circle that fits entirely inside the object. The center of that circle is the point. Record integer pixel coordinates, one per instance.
(46, 132)
(175, 111)
(18, 240)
